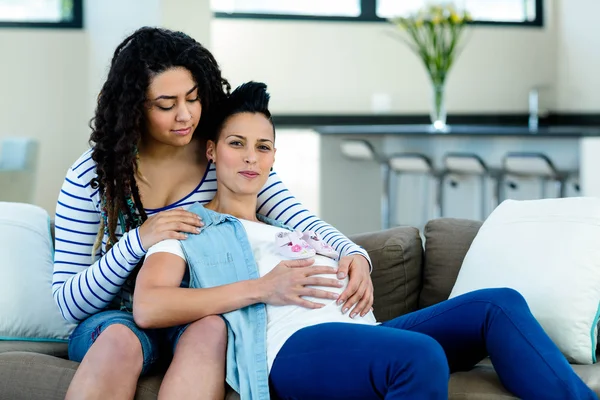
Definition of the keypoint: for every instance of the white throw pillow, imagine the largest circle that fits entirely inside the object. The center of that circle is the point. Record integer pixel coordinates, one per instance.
(549, 251)
(27, 309)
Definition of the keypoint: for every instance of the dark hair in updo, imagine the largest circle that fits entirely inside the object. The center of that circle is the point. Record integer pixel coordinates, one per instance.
(250, 97)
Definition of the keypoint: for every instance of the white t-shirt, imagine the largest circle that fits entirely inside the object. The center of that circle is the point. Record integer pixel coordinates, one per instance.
(282, 321)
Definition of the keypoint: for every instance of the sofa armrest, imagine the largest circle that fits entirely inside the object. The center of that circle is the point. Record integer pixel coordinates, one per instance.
(397, 256)
(447, 241)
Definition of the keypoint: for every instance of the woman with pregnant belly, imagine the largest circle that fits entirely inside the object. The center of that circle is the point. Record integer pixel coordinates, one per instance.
(315, 350)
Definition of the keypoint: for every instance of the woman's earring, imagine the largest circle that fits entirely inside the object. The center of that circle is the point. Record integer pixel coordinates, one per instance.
(271, 168)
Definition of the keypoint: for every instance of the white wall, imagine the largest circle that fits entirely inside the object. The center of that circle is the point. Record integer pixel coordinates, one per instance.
(190, 16)
(578, 56)
(298, 163)
(107, 23)
(44, 75)
(335, 67)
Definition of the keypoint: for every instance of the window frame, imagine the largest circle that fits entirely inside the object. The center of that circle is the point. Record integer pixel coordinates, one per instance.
(75, 23)
(369, 14)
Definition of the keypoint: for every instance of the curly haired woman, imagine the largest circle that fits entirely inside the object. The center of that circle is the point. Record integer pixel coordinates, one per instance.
(129, 192)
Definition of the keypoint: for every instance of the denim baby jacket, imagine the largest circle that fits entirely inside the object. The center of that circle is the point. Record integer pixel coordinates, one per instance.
(219, 255)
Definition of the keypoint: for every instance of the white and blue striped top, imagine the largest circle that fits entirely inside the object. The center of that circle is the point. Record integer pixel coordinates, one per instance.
(84, 284)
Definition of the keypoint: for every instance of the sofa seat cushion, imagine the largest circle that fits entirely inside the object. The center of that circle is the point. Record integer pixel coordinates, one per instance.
(590, 374)
(27, 376)
(397, 256)
(482, 382)
(56, 349)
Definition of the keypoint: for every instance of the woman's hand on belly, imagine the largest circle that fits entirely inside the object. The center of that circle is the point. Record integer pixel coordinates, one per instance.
(358, 295)
(289, 282)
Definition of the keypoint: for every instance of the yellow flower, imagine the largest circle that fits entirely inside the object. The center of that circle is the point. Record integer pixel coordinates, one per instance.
(419, 22)
(436, 20)
(455, 18)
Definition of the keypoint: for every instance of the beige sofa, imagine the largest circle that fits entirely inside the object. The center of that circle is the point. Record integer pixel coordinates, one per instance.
(406, 277)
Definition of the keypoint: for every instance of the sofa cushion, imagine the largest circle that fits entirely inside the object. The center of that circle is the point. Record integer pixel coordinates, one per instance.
(548, 251)
(447, 241)
(590, 374)
(479, 383)
(55, 349)
(482, 382)
(27, 309)
(27, 376)
(397, 256)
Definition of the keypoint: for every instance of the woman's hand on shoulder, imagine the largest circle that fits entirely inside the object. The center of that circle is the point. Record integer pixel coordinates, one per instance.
(358, 296)
(171, 224)
(288, 281)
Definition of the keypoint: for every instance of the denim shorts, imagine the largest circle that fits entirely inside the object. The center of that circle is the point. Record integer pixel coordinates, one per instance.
(155, 343)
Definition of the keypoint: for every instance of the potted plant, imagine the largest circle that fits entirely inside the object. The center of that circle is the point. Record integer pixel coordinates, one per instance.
(433, 33)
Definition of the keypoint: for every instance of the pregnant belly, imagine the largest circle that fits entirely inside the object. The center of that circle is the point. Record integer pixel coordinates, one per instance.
(301, 316)
(331, 289)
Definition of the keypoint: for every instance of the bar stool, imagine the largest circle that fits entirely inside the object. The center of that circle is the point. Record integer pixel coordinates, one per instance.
(18, 154)
(362, 150)
(417, 164)
(18, 169)
(457, 164)
(531, 165)
(391, 167)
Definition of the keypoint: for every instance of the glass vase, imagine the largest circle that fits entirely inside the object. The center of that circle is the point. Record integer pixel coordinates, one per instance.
(438, 106)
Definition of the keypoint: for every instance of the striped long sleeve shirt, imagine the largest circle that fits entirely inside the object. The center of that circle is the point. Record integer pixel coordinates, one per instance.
(84, 283)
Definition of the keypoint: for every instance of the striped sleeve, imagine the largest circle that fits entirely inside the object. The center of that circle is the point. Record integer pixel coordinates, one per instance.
(276, 202)
(80, 286)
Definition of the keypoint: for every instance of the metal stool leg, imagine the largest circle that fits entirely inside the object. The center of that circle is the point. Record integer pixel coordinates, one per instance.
(470, 165)
(440, 194)
(385, 196)
(417, 164)
(484, 197)
(536, 166)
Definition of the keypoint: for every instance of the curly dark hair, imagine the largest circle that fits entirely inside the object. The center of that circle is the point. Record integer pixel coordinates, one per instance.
(119, 119)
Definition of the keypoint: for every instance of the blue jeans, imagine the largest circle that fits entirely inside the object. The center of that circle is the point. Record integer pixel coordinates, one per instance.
(152, 340)
(411, 357)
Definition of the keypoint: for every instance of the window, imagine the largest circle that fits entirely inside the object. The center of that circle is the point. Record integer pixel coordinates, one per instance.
(480, 10)
(504, 12)
(41, 13)
(316, 8)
